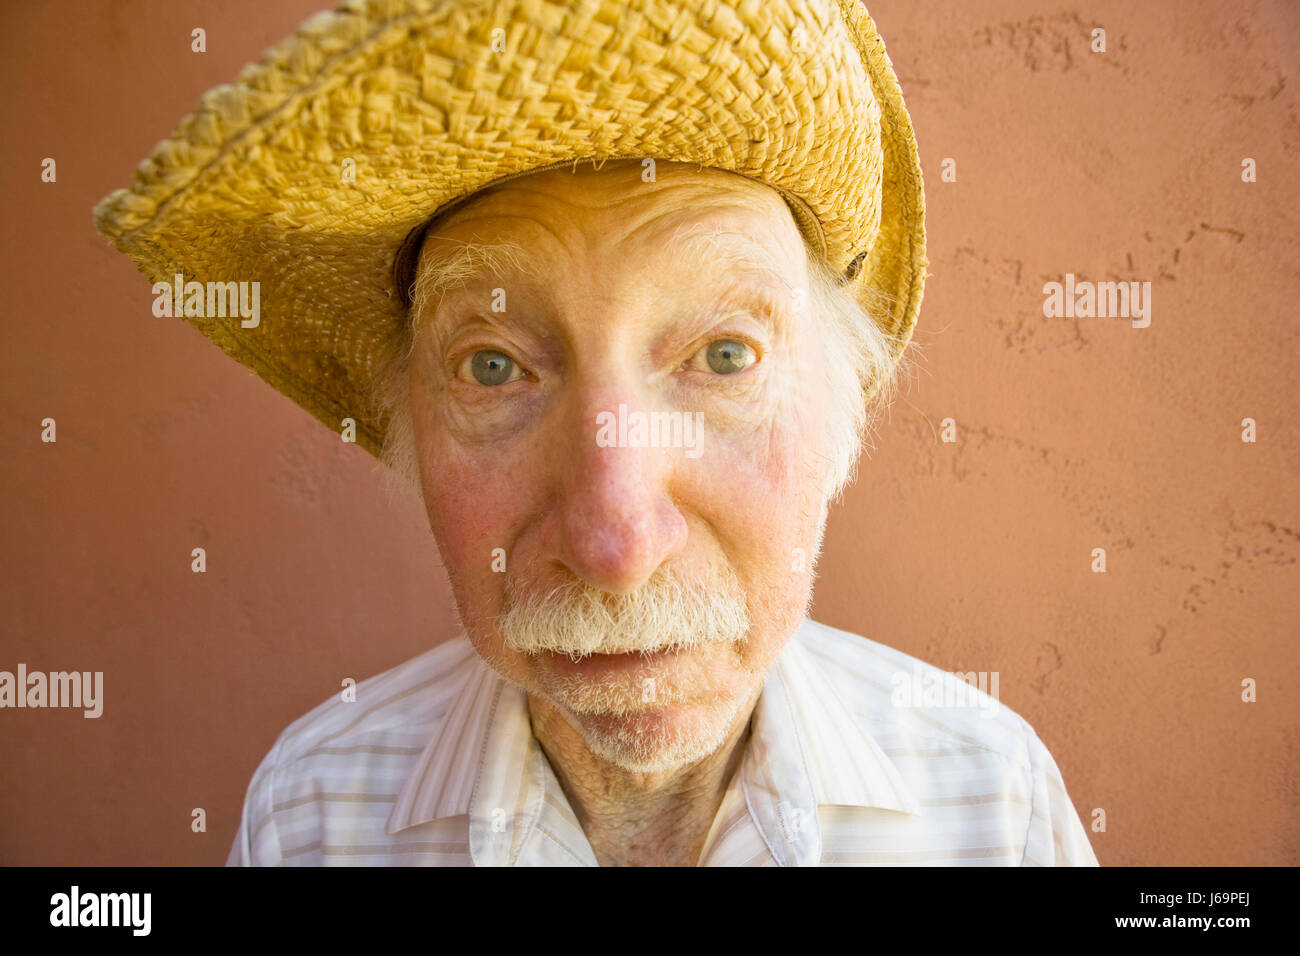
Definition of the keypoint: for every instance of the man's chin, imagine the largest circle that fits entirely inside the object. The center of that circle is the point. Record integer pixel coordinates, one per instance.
(647, 712)
(658, 739)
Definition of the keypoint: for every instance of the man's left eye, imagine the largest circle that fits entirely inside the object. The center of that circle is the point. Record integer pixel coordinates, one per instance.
(726, 356)
(490, 367)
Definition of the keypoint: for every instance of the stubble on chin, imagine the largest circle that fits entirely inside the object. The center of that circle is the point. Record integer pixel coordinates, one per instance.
(655, 720)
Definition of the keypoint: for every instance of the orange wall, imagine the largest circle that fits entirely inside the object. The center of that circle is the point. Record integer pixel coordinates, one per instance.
(1072, 435)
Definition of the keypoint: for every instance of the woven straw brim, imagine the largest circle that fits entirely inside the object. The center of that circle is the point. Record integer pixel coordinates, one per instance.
(797, 94)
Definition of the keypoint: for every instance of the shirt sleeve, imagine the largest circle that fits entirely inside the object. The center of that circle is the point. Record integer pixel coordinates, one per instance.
(1056, 836)
(256, 841)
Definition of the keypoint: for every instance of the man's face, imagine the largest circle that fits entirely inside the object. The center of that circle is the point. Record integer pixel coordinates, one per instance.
(642, 590)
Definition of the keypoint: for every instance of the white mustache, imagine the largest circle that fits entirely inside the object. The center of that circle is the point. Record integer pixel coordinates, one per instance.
(668, 613)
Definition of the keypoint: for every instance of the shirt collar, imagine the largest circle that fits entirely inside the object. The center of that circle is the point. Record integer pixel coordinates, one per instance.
(806, 749)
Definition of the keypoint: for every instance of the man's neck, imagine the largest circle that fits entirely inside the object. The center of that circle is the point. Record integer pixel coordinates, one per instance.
(639, 819)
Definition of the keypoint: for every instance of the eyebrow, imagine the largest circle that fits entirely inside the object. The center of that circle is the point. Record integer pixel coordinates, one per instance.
(468, 260)
(736, 249)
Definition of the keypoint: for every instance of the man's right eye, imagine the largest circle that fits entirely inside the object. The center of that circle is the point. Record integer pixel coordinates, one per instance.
(490, 367)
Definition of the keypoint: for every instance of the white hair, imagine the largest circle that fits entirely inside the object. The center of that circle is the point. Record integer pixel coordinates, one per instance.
(863, 360)
(670, 612)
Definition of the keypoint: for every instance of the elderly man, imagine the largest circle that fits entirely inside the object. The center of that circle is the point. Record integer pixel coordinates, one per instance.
(627, 391)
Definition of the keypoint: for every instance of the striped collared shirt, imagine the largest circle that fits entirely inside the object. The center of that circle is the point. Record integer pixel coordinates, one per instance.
(855, 757)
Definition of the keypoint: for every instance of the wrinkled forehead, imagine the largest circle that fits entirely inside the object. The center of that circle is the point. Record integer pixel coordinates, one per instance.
(686, 211)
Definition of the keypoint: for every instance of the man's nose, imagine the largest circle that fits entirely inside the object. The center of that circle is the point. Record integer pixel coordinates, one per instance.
(618, 522)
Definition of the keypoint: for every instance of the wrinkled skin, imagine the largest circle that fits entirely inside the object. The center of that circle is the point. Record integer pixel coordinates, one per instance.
(610, 315)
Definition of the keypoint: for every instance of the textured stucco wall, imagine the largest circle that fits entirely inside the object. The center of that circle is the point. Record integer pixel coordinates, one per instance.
(1071, 434)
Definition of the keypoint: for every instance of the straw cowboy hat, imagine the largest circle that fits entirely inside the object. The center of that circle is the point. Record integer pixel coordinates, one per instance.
(314, 172)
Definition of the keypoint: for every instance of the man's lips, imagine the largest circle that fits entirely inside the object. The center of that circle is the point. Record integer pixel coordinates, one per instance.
(599, 664)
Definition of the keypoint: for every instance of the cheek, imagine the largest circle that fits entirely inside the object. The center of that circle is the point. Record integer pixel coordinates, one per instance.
(477, 499)
(765, 493)
(469, 517)
(474, 510)
(782, 469)
(776, 465)
(773, 474)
